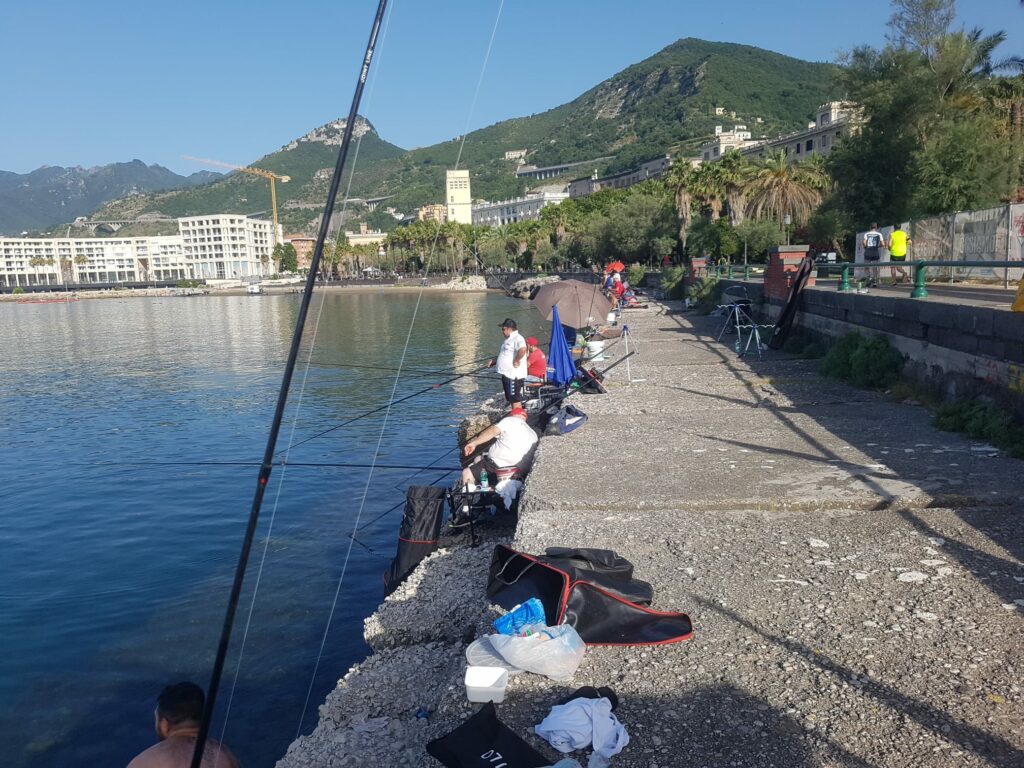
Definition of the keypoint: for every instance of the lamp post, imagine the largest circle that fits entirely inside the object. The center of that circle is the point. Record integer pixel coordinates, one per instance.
(788, 220)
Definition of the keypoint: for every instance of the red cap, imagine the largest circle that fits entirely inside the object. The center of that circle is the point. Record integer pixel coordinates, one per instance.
(517, 412)
(532, 341)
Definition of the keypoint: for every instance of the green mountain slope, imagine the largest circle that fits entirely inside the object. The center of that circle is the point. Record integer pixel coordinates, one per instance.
(664, 104)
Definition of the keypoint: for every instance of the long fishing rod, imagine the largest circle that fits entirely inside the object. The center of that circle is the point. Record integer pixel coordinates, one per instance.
(282, 398)
(315, 464)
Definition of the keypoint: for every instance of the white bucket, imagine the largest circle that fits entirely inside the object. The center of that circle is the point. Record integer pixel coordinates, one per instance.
(595, 350)
(612, 318)
(486, 684)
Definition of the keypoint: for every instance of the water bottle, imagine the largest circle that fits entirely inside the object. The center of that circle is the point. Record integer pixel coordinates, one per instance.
(483, 479)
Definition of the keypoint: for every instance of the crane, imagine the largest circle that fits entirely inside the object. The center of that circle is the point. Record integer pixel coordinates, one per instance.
(273, 177)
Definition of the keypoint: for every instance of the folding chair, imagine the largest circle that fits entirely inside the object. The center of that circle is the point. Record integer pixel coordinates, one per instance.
(738, 320)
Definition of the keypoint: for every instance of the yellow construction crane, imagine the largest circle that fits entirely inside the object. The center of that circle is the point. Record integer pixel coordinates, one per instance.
(255, 172)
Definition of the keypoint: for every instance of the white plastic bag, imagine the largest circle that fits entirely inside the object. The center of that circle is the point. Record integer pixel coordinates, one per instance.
(555, 652)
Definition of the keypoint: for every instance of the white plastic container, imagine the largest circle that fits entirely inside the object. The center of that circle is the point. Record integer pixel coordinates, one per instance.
(486, 684)
(612, 318)
(595, 350)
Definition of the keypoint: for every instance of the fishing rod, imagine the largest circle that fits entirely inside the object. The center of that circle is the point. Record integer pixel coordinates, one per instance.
(283, 463)
(268, 456)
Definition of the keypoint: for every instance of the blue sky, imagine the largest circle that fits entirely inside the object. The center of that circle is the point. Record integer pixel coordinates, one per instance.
(100, 82)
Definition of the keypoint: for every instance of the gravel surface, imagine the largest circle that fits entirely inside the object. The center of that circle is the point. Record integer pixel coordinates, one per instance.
(854, 577)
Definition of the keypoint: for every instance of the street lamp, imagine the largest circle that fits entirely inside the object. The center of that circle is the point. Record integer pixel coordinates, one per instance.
(788, 220)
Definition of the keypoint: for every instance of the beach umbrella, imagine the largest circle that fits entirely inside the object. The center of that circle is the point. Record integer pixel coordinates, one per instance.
(561, 367)
(579, 304)
(615, 266)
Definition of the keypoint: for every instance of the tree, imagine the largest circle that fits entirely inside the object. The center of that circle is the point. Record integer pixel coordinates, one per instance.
(680, 180)
(779, 188)
(757, 237)
(289, 258)
(734, 175)
(712, 237)
(920, 24)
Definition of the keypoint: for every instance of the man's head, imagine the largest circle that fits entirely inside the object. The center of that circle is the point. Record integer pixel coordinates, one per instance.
(532, 343)
(508, 326)
(897, 226)
(874, 225)
(177, 705)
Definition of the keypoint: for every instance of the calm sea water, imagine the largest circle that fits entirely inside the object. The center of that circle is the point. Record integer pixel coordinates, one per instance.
(119, 541)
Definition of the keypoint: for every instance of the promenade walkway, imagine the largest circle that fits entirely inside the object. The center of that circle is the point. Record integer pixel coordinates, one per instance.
(854, 577)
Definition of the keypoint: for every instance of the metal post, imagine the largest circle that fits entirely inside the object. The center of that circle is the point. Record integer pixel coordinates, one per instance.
(919, 292)
(729, 273)
(844, 279)
(746, 271)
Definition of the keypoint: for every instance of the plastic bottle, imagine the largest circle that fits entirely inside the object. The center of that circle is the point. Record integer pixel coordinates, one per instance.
(483, 479)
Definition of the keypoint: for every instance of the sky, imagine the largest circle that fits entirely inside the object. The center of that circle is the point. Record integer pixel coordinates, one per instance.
(101, 82)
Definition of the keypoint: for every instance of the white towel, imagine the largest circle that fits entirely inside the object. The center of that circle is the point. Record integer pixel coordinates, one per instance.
(581, 723)
(508, 490)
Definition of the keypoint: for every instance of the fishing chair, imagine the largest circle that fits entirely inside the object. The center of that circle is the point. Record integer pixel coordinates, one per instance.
(738, 320)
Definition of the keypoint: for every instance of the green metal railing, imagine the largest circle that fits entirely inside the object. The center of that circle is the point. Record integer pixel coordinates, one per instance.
(920, 268)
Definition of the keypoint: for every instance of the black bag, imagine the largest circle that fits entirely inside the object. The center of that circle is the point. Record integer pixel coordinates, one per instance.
(471, 506)
(590, 382)
(483, 740)
(417, 538)
(591, 590)
(563, 420)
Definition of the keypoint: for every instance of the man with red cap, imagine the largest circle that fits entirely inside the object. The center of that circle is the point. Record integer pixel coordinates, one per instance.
(536, 362)
(511, 450)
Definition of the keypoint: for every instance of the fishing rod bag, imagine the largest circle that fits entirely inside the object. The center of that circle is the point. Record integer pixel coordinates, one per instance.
(593, 590)
(563, 419)
(417, 537)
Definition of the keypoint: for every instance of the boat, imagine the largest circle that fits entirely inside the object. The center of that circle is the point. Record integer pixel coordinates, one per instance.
(254, 289)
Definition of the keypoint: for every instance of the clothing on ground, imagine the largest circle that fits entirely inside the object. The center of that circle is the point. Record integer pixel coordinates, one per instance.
(582, 723)
(515, 441)
(505, 363)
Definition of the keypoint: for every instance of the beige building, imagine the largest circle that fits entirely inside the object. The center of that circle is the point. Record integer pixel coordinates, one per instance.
(432, 212)
(457, 197)
(737, 138)
(365, 236)
(653, 169)
(832, 122)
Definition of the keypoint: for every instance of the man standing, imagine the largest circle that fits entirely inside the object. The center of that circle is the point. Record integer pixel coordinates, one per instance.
(898, 243)
(873, 242)
(515, 441)
(536, 362)
(511, 363)
(179, 711)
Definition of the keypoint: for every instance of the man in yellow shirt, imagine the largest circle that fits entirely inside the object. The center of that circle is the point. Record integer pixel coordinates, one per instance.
(898, 248)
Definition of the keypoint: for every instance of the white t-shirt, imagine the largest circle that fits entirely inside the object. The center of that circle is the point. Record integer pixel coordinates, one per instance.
(516, 438)
(507, 355)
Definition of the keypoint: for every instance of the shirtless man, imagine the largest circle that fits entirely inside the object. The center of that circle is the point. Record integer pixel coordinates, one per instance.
(179, 710)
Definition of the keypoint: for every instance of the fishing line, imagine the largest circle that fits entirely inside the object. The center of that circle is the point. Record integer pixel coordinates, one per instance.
(405, 349)
(283, 464)
(268, 458)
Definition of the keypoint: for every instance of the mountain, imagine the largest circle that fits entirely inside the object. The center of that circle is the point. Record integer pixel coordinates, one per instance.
(664, 104)
(52, 195)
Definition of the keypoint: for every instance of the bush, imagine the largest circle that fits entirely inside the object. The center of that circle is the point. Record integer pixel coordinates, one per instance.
(635, 275)
(672, 282)
(18, 289)
(704, 294)
(982, 421)
(865, 361)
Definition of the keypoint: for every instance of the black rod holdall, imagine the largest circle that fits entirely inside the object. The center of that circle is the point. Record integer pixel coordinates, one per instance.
(417, 537)
(592, 590)
(482, 740)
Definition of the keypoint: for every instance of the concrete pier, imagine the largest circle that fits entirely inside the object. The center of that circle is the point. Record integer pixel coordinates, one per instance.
(854, 577)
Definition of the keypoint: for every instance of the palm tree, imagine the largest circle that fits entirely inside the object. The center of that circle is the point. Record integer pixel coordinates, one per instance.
(778, 188)
(963, 63)
(709, 189)
(680, 180)
(734, 174)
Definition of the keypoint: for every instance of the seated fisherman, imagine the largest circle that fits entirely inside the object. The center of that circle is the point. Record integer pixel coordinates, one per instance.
(536, 362)
(511, 450)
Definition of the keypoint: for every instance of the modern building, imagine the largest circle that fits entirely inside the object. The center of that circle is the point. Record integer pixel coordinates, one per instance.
(832, 122)
(457, 197)
(219, 246)
(653, 169)
(227, 245)
(518, 209)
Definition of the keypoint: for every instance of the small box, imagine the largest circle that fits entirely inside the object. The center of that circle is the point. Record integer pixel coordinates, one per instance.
(486, 684)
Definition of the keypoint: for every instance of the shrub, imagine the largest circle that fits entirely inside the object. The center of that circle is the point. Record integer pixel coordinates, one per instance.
(866, 361)
(982, 421)
(18, 289)
(672, 282)
(635, 275)
(704, 294)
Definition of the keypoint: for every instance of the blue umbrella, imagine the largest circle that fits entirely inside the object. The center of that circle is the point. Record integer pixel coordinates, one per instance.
(561, 367)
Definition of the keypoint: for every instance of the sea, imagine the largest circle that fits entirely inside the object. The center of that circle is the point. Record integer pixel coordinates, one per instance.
(130, 436)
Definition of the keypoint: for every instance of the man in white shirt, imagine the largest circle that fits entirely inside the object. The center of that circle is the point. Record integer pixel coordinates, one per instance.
(515, 440)
(511, 363)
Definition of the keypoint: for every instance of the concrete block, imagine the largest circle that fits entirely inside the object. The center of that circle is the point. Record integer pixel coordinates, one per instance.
(976, 320)
(952, 339)
(907, 309)
(937, 314)
(1008, 325)
(994, 348)
(1014, 351)
(883, 305)
(908, 328)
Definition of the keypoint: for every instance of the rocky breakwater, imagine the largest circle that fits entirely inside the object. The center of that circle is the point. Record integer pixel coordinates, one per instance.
(467, 283)
(524, 289)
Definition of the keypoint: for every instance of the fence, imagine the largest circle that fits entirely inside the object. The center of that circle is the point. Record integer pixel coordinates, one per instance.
(992, 234)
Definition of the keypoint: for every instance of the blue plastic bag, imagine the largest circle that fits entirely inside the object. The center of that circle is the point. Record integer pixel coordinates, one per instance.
(512, 623)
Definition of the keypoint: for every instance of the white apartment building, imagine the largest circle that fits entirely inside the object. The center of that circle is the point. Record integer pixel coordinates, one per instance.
(227, 245)
(518, 209)
(653, 169)
(737, 138)
(220, 246)
(457, 197)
